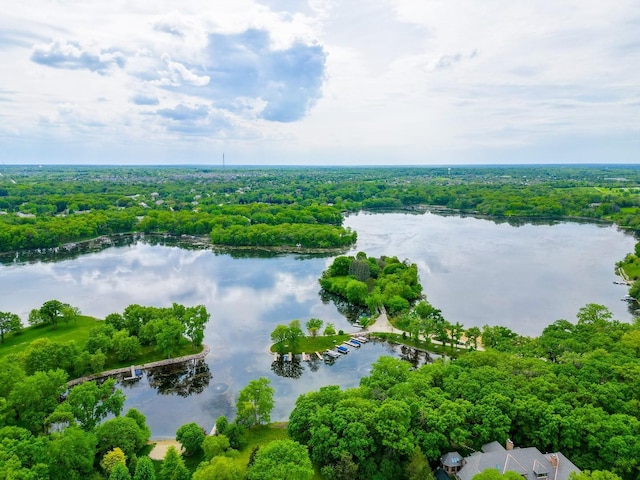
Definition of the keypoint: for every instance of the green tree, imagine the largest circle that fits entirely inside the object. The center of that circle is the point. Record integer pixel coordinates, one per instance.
(418, 467)
(282, 459)
(121, 432)
(340, 266)
(9, 322)
(119, 472)
(220, 468)
(221, 425)
(69, 314)
(71, 454)
(190, 436)
(255, 403)
(90, 403)
(144, 433)
(356, 292)
(173, 467)
(330, 329)
(392, 424)
(279, 337)
(169, 338)
(36, 397)
(313, 326)
(52, 311)
(22, 455)
(111, 459)
(344, 468)
(235, 433)
(594, 475)
(494, 474)
(125, 346)
(194, 320)
(473, 333)
(294, 334)
(144, 470)
(215, 445)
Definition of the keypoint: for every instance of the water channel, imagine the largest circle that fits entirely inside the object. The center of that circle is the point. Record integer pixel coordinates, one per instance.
(477, 271)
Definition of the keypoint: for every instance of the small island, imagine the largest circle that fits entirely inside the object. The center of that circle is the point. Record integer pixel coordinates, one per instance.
(392, 307)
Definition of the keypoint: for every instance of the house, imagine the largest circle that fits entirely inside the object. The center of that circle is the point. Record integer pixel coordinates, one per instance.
(527, 461)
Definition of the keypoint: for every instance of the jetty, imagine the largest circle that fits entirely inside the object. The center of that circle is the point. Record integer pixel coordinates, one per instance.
(160, 363)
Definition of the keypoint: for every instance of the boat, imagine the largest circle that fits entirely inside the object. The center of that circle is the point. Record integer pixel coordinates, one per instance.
(353, 343)
(361, 339)
(342, 349)
(332, 354)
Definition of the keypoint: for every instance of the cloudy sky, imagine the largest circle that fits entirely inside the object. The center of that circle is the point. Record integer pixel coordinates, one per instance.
(336, 82)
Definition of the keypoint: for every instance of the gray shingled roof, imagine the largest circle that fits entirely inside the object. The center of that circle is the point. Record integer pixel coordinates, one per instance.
(451, 459)
(526, 461)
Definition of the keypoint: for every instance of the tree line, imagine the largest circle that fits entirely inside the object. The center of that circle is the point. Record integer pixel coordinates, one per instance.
(51, 206)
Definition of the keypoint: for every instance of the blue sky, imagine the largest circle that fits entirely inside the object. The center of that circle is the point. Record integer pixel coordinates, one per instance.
(334, 82)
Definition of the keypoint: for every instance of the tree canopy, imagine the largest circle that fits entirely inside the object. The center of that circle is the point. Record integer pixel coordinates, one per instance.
(255, 403)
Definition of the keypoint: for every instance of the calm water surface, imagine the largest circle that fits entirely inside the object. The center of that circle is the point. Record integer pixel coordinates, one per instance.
(478, 272)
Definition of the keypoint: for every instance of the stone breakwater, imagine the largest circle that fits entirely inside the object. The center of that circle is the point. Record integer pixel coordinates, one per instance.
(160, 363)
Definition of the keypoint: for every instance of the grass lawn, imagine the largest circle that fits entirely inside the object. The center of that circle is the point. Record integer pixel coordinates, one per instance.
(631, 266)
(312, 344)
(76, 331)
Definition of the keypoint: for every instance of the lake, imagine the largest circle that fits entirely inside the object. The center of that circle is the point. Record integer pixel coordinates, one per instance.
(477, 271)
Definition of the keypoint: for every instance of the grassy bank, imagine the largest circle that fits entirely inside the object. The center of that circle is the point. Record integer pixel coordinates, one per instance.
(78, 331)
(427, 346)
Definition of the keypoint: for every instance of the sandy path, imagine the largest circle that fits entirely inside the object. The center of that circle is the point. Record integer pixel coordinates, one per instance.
(160, 448)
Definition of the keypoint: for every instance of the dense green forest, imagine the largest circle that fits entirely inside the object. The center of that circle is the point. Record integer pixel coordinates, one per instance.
(46, 207)
(575, 389)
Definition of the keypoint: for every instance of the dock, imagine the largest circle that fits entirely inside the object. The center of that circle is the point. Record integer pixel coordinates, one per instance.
(306, 357)
(276, 357)
(136, 373)
(318, 355)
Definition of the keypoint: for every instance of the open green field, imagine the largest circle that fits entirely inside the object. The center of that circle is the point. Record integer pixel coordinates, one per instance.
(311, 344)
